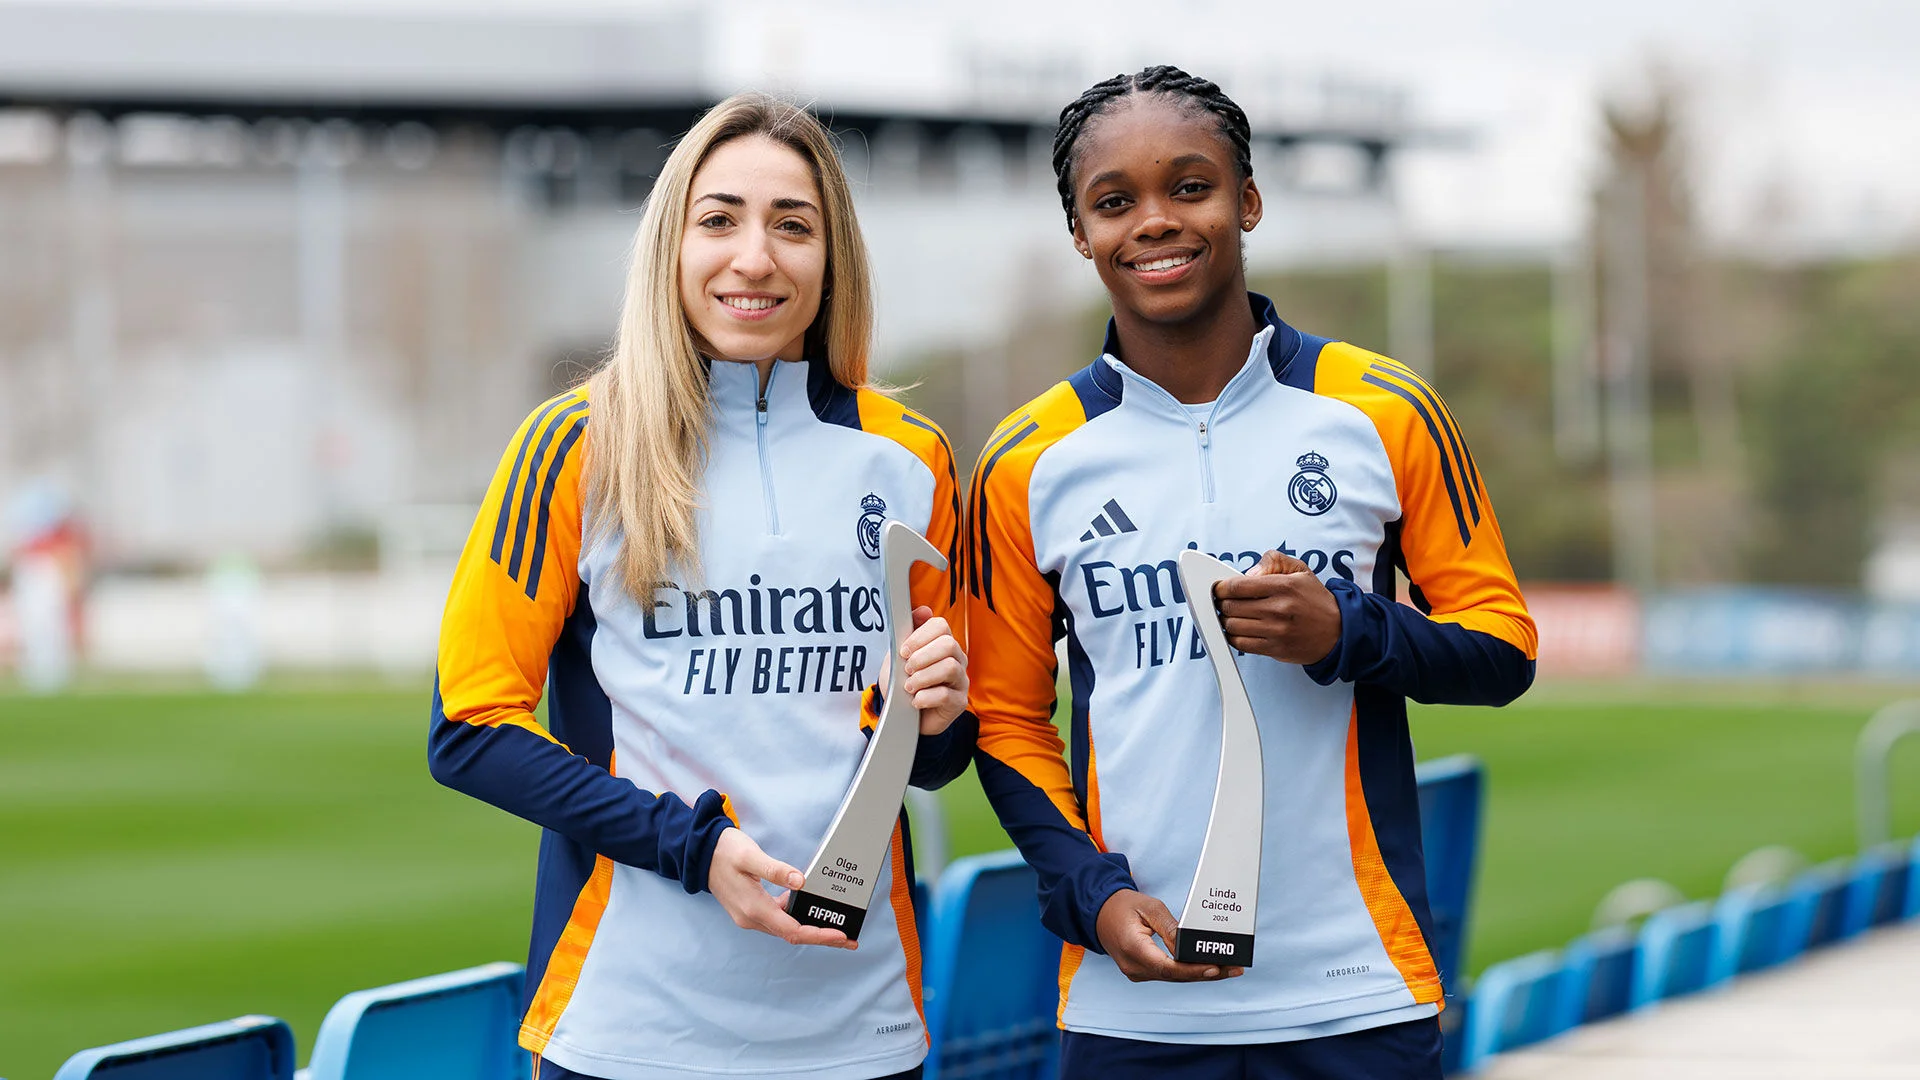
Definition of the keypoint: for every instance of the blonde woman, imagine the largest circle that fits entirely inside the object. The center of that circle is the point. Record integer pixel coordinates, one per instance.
(681, 553)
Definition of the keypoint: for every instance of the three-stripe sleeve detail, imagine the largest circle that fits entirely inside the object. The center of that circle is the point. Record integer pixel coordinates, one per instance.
(1447, 469)
(513, 479)
(976, 520)
(1462, 457)
(536, 472)
(983, 586)
(533, 472)
(953, 481)
(546, 504)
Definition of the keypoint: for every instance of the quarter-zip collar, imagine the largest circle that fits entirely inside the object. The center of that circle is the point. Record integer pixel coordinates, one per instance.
(1145, 392)
(1154, 397)
(742, 409)
(1270, 354)
(797, 389)
(1282, 350)
(735, 386)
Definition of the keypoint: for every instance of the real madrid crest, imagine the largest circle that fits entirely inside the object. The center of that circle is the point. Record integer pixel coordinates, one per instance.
(873, 514)
(1311, 490)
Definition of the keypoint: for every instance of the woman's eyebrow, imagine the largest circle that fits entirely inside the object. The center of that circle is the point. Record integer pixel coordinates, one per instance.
(794, 204)
(721, 196)
(1180, 162)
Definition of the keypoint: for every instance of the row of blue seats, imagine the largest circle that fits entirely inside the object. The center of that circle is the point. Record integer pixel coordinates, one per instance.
(461, 1024)
(991, 984)
(1685, 949)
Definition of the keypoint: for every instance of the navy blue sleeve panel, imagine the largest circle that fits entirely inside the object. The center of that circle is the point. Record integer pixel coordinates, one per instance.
(1076, 877)
(1388, 644)
(542, 781)
(938, 760)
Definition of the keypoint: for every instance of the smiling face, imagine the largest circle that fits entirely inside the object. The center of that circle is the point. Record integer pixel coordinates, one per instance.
(1159, 208)
(753, 259)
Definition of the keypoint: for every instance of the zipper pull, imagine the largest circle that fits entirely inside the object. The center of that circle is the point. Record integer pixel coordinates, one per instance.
(1203, 433)
(760, 411)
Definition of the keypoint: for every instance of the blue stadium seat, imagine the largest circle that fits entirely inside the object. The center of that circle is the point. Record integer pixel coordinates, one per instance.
(1597, 976)
(1876, 889)
(1817, 912)
(1676, 954)
(463, 1025)
(1752, 933)
(249, 1048)
(1451, 791)
(1911, 906)
(992, 973)
(1515, 1003)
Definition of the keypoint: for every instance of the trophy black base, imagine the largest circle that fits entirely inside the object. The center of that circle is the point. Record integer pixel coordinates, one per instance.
(810, 910)
(1213, 947)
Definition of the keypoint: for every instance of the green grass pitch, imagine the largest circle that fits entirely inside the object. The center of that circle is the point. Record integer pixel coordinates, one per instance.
(173, 859)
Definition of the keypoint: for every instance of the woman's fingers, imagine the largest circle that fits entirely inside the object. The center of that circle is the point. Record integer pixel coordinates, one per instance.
(927, 629)
(768, 914)
(779, 873)
(739, 867)
(777, 922)
(946, 668)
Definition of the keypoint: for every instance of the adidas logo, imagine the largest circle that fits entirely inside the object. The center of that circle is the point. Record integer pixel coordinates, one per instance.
(1115, 520)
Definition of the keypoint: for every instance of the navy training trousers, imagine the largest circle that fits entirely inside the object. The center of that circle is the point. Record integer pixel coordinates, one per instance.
(1406, 1051)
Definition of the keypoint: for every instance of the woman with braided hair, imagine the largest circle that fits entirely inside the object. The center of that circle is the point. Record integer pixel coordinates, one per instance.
(1317, 468)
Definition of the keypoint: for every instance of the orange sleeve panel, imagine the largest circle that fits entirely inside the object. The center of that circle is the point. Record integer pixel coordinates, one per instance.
(937, 589)
(941, 758)
(1449, 538)
(508, 613)
(1471, 640)
(1011, 619)
(516, 581)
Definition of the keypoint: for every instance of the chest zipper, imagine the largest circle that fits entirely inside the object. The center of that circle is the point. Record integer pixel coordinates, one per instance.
(1206, 463)
(766, 457)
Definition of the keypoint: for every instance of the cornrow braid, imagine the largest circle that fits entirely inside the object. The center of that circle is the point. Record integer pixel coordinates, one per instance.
(1159, 79)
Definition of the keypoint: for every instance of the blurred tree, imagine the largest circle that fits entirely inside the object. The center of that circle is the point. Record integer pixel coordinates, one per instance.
(1843, 396)
(1646, 146)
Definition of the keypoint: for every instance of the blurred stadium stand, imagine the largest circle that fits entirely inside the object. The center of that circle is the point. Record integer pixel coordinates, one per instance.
(296, 267)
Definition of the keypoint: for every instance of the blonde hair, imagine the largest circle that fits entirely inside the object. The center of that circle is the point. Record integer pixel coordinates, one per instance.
(650, 400)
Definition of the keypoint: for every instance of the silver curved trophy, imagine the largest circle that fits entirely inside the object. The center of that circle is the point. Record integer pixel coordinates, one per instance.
(846, 867)
(1216, 926)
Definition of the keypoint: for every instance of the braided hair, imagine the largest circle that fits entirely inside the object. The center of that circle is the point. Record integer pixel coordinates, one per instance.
(1190, 90)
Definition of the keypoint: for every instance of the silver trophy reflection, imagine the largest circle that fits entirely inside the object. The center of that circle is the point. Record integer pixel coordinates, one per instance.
(1216, 926)
(845, 869)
